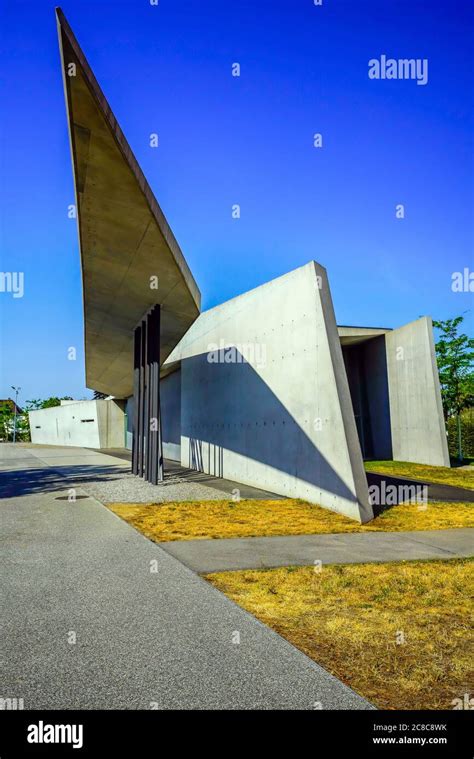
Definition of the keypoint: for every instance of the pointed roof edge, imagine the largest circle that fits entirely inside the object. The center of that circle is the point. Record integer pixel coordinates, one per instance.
(127, 153)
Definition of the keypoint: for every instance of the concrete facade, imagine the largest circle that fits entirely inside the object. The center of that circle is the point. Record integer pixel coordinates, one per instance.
(416, 413)
(273, 394)
(274, 409)
(88, 424)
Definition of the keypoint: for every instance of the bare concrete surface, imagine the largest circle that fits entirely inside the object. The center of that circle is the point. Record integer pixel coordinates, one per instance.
(97, 616)
(207, 556)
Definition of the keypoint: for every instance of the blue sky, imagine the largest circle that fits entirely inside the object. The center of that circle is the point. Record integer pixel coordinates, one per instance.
(245, 140)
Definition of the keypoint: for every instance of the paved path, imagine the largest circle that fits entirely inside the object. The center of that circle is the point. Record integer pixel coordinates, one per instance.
(302, 550)
(143, 637)
(435, 491)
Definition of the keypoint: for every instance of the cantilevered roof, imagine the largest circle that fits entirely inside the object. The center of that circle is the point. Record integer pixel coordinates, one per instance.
(125, 240)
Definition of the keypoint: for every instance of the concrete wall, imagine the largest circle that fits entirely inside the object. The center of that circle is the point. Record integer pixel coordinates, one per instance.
(88, 424)
(111, 423)
(275, 411)
(170, 398)
(417, 424)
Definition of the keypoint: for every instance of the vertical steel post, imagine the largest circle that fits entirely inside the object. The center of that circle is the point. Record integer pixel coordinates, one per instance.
(155, 474)
(141, 411)
(136, 398)
(149, 396)
(147, 454)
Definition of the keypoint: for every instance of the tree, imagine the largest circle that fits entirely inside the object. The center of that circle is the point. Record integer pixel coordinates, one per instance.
(22, 420)
(6, 420)
(50, 402)
(455, 357)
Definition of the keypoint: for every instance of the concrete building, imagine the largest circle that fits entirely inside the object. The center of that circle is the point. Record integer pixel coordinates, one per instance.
(87, 424)
(264, 389)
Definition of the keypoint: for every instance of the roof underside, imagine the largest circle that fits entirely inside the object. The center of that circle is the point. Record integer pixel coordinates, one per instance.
(355, 335)
(125, 240)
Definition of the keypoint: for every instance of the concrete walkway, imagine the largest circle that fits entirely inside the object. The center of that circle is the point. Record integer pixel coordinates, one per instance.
(205, 556)
(97, 616)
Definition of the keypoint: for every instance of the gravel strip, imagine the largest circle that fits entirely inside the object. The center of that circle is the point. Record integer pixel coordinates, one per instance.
(128, 488)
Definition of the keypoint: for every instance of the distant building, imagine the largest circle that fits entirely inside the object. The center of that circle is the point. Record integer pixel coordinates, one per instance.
(10, 404)
(88, 424)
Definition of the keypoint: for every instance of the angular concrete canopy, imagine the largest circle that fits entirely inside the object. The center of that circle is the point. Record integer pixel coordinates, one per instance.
(124, 237)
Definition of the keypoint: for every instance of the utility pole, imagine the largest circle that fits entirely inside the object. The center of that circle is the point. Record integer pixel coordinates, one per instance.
(17, 390)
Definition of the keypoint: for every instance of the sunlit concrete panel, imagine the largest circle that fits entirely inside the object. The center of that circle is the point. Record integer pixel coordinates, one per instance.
(273, 410)
(416, 413)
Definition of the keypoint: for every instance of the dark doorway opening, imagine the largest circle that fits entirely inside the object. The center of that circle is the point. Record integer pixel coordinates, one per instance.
(366, 369)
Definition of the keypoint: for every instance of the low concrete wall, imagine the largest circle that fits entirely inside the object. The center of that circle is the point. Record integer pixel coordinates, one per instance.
(275, 411)
(88, 424)
(416, 414)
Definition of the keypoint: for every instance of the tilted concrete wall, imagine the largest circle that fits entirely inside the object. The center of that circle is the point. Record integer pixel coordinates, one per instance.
(416, 414)
(88, 424)
(275, 412)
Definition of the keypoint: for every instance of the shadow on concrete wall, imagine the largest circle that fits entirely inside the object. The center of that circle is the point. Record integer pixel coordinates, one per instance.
(214, 459)
(229, 406)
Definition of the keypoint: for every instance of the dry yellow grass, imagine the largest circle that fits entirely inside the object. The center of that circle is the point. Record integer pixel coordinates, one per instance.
(227, 519)
(353, 620)
(461, 478)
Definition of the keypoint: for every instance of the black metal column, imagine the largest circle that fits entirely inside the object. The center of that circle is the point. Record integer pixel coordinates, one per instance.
(147, 452)
(148, 398)
(155, 471)
(136, 397)
(142, 406)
